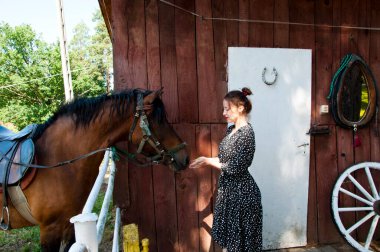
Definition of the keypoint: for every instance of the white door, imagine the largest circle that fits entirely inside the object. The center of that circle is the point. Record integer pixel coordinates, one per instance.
(280, 117)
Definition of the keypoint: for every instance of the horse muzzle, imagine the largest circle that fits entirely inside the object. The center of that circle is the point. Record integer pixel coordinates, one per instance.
(177, 161)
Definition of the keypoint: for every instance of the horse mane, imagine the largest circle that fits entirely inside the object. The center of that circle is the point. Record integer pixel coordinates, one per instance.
(85, 110)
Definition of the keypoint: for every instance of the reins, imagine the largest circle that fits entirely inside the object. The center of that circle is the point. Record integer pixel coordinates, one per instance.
(58, 164)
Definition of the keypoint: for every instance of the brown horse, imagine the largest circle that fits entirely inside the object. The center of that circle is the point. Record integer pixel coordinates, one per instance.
(78, 128)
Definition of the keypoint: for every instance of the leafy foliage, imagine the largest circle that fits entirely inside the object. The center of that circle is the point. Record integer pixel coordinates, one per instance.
(30, 80)
(31, 83)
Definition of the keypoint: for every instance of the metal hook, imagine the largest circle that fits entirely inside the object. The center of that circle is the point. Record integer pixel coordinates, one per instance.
(3, 224)
(274, 72)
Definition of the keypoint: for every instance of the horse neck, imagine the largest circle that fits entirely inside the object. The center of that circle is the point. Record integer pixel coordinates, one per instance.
(103, 132)
(111, 128)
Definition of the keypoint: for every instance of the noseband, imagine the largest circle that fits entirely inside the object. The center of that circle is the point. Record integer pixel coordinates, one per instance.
(163, 155)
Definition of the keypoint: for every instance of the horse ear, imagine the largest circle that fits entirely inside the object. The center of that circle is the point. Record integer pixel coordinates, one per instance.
(152, 96)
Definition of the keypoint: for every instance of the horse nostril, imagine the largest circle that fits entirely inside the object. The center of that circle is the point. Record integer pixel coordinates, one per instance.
(187, 161)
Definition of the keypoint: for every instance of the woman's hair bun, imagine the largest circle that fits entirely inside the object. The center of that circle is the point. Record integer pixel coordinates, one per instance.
(246, 91)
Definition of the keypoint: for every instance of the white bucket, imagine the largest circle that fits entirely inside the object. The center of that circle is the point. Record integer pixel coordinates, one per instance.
(85, 230)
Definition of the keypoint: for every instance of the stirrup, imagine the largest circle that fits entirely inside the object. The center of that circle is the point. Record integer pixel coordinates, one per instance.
(4, 225)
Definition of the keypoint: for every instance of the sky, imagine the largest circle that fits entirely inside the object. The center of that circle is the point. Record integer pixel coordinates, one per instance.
(42, 15)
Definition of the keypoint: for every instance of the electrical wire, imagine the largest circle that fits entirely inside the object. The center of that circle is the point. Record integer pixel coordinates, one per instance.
(269, 22)
(47, 77)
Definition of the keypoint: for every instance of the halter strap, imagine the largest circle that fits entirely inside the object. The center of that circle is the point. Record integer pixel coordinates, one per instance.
(148, 137)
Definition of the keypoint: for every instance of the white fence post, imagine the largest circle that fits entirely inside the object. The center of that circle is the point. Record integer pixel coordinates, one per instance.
(115, 243)
(106, 202)
(97, 186)
(88, 228)
(85, 230)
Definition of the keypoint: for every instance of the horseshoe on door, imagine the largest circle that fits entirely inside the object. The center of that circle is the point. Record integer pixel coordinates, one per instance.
(274, 72)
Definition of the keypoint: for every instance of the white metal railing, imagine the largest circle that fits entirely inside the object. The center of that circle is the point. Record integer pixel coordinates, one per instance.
(88, 227)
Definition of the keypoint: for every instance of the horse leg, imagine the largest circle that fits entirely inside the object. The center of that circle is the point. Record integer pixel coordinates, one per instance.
(55, 238)
(65, 246)
(50, 238)
(68, 238)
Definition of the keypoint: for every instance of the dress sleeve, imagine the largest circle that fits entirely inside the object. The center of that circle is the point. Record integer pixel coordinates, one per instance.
(242, 154)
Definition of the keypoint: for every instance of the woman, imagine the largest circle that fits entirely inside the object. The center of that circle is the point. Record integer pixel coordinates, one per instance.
(237, 222)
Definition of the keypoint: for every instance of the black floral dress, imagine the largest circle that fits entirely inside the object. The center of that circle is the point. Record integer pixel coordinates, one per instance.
(238, 214)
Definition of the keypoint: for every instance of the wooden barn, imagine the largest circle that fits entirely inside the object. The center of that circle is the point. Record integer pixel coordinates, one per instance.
(183, 46)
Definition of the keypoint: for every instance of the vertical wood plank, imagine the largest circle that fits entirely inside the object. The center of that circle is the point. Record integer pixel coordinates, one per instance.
(203, 137)
(363, 152)
(168, 61)
(336, 36)
(323, 64)
(345, 155)
(218, 131)
(374, 63)
(207, 87)
(324, 60)
(312, 204)
(121, 196)
(304, 37)
(326, 170)
(186, 62)
(375, 68)
(301, 11)
(364, 20)
(129, 43)
(281, 31)
(130, 71)
(231, 10)
(221, 49)
(165, 205)
(261, 35)
(349, 17)
(152, 45)
(186, 187)
(120, 43)
(348, 40)
(140, 181)
(344, 138)
(243, 26)
(145, 214)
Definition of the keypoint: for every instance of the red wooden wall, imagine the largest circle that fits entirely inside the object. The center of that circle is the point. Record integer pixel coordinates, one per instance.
(156, 45)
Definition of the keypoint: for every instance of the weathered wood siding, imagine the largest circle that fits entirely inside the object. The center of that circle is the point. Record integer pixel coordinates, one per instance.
(156, 45)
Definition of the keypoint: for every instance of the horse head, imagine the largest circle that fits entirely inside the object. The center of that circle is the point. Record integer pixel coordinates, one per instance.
(152, 134)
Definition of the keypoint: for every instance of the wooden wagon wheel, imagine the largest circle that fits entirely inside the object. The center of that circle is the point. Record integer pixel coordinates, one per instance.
(356, 193)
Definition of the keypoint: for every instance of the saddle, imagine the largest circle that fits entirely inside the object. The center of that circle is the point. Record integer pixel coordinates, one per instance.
(15, 149)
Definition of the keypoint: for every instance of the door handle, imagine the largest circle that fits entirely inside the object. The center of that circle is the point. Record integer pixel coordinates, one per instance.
(303, 145)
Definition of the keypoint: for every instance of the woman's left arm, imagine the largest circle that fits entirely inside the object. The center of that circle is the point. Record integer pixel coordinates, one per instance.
(204, 161)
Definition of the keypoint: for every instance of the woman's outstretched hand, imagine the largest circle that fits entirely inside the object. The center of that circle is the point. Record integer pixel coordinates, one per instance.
(199, 162)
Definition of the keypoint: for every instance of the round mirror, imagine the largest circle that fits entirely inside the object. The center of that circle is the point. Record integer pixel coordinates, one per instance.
(354, 93)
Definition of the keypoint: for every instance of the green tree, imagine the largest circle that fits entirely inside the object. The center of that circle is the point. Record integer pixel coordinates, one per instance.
(101, 50)
(30, 82)
(92, 56)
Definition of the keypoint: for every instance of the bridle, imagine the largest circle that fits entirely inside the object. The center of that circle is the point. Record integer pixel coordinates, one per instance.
(163, 155)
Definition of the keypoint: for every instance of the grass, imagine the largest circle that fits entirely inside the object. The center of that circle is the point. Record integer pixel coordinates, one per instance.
(24, 239)
(28, 239)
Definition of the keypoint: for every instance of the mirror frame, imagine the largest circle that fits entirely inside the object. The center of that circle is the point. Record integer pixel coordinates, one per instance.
(336, 97)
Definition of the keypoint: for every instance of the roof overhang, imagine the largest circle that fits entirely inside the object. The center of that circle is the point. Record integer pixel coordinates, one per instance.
(105, 7)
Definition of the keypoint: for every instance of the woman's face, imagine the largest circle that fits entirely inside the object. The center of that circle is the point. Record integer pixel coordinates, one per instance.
(231, 112)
